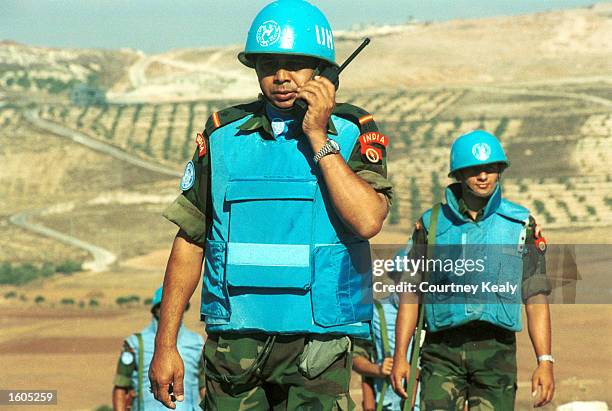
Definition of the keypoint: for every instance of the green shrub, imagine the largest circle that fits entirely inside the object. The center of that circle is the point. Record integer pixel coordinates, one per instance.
(457, 122)
(69, 267)
(152, 127)
(104, 408)
(39, 299)
(539, 206)
(93, 303)
(20, 274)
(113, 130)
(127, 300)
(167, 146)
(67, 301)
(24, 81)
(481, 123)
(47, 270)
(501, 127)
(10, 294)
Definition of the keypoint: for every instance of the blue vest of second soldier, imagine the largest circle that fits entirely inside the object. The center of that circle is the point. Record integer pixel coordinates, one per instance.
(190, 346)
(278, 258)
(498, 240)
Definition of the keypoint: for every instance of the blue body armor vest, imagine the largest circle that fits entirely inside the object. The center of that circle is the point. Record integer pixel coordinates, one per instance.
(498, 240)
(278, 258)
(190, 346)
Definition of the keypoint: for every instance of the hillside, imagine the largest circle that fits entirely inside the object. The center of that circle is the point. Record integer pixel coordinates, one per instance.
(570, 44)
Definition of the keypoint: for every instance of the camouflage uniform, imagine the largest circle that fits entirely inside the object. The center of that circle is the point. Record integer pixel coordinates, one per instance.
(271, 378)
(276, 384)
(476, 361)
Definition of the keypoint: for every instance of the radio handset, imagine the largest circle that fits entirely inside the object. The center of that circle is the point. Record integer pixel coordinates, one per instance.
(330, 72)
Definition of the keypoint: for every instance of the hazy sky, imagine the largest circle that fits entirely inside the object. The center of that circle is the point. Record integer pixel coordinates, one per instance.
(158, 25)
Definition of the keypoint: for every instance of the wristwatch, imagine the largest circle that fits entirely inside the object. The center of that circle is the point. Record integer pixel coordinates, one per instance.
(330, 147)
(546, 358)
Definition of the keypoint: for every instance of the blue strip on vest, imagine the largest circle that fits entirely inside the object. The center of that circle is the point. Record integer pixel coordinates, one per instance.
(272, 255)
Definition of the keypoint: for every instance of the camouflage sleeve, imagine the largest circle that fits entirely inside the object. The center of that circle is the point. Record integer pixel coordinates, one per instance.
(375, 174)
(190, 211)
(535, 280)
(368, 158)
(125, 367)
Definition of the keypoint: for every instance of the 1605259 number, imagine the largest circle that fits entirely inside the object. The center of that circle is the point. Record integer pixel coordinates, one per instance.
(22, 397)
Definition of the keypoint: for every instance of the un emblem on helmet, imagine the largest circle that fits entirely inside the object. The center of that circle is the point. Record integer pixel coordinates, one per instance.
(481, 151)
(268, 33)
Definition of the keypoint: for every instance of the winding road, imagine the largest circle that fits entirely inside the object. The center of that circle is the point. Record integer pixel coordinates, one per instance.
(102, 258)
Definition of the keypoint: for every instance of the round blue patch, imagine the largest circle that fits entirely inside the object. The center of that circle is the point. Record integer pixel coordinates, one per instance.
(188, 177)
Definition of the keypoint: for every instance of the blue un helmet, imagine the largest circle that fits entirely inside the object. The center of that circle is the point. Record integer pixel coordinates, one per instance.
(293, 27)
(157, 297)
(476, 148)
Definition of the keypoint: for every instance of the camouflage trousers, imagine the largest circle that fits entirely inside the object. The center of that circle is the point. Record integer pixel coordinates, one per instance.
(246, 372)
(475, 362)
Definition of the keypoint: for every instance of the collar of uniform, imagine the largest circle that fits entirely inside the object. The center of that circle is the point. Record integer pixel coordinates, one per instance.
(261, 122)
(460, 209)
(465, 211)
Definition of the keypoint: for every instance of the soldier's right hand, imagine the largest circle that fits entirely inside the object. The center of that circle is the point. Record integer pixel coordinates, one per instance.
(386, 366)
(167, 370)
(400, 373)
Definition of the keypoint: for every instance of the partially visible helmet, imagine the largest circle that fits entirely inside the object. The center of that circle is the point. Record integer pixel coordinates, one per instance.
(157, 297)
(293, 27)
(476, 148)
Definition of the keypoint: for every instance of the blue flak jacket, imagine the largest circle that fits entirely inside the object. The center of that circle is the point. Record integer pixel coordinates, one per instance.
(278, 258)
(498, 239)
(189, 346)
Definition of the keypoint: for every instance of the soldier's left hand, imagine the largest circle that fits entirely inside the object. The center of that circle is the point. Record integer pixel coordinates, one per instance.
(320, 94)
(543, 377)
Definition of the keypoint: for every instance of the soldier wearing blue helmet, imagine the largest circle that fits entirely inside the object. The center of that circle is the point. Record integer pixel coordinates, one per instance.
(469, 353)
(132, 390)
(281, 202)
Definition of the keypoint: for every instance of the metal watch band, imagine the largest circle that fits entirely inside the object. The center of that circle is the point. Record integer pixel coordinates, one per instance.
(546, 358)
(328, 148)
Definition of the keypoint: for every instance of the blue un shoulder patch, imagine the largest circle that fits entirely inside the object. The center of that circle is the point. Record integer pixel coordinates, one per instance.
(188, 177)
